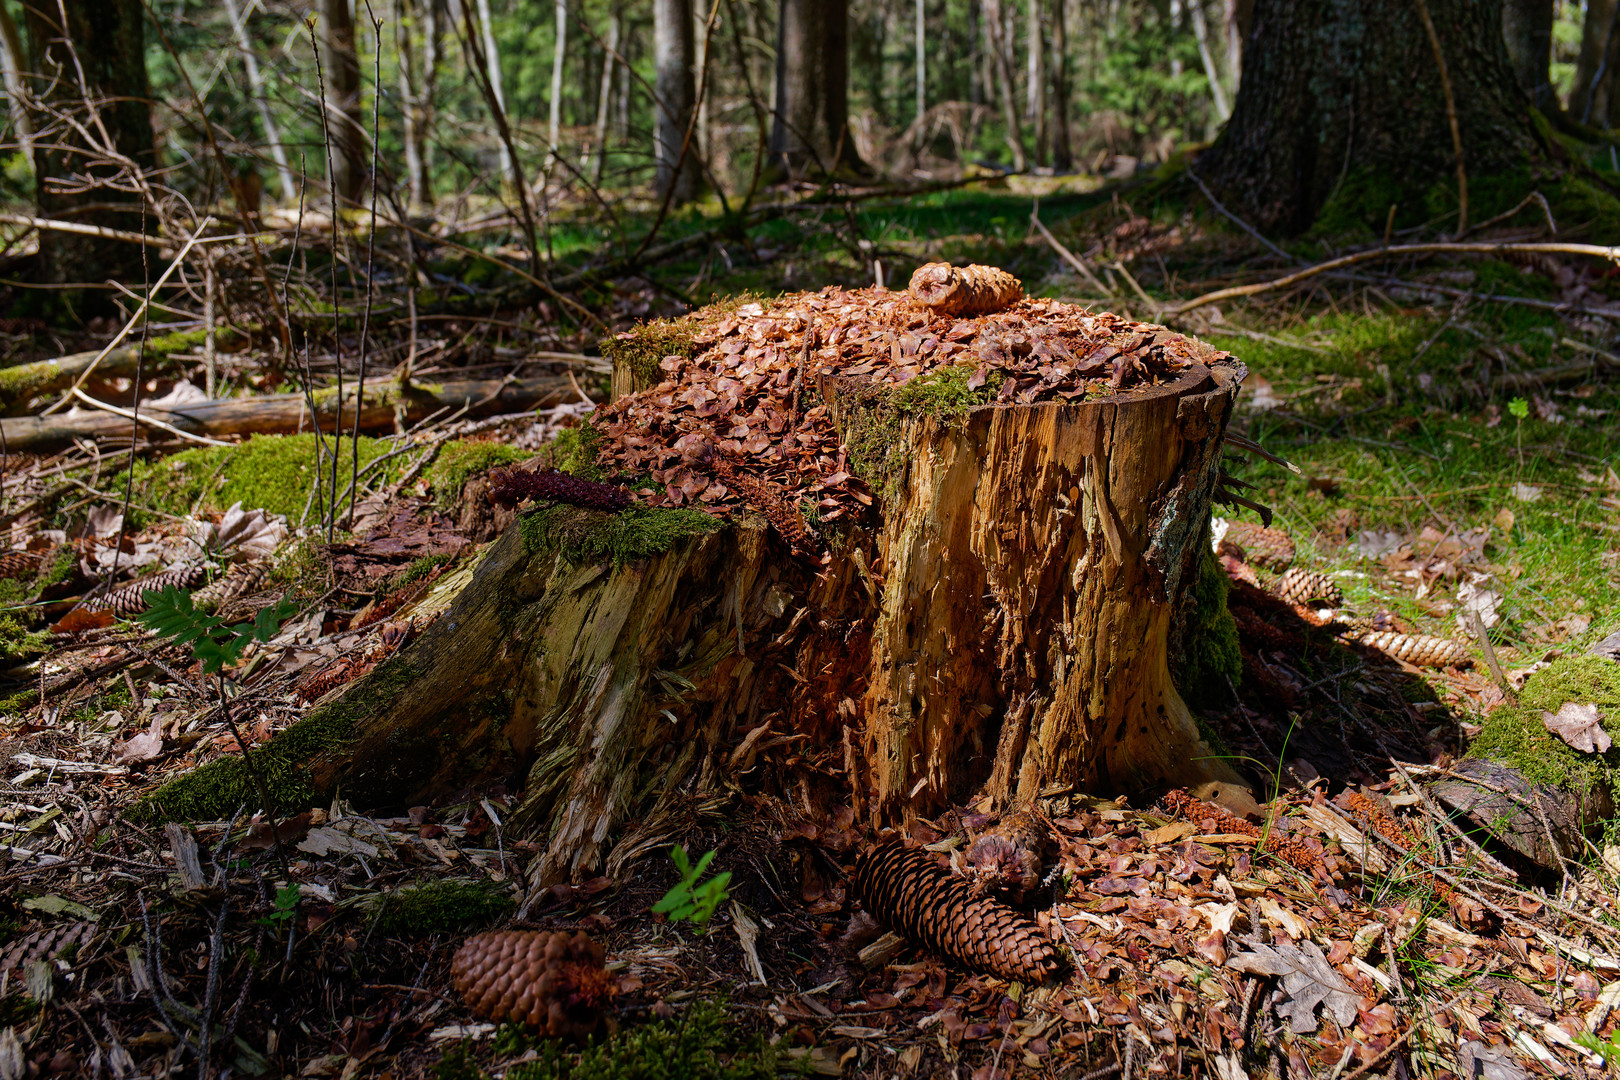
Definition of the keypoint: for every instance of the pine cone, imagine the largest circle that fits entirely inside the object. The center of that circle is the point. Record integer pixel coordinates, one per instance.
(131, 599)
(43, 945)
(19, 564)
(236, 582)
(1300, 586)
(554, 982)
(1271, 549)
(508, 487)
(1418, 649)
(970, 290)
(905, 889)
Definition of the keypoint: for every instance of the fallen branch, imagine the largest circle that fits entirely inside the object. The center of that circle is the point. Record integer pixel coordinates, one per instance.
(26, 381)
(285, 413)
(87, 230)
(1610, 253)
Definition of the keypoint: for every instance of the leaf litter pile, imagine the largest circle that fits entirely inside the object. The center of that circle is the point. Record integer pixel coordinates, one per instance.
(1337, 931)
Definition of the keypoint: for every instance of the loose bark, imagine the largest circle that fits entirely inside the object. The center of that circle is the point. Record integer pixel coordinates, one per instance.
(1543, 823)
(283, 413)
(674, 51)
(94, 69)
(342, 68)
(1340, 97)
(810, 133)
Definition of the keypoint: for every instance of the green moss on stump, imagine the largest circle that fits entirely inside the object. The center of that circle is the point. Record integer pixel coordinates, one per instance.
(1515, 736)
(451, 906)
(1207, 660)
(461, 459)
(873, 417)
(574, 451)
(588, 536)
(639, 350)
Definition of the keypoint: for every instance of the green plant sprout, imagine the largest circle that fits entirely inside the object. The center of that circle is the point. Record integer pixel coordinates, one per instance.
(689, 900)
(1519, 408)
(286, 907)
(1607, 1049)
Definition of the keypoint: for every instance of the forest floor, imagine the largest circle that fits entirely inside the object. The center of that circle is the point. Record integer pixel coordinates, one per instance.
(1455, 427)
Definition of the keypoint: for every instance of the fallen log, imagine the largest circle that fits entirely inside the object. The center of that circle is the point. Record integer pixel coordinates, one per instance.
(267, 414)
(24, 382)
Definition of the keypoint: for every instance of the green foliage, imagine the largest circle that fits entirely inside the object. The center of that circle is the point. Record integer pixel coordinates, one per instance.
(1206, 653)
(1515, 735)
(688, 899)
(171, 614)
(1608, 1049)
(1518, 408)
(451, 906)
(285, 908)
(703, 1044)
(463, 458)
(587, 536)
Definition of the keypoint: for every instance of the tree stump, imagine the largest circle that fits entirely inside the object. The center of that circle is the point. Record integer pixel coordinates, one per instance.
(908, 560)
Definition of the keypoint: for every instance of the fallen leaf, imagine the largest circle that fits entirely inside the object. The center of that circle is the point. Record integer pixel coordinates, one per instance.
(1307, 982)
(1526, 492)
(1169, 834)
(1580, 726)
(1277, 915)
(143, 747)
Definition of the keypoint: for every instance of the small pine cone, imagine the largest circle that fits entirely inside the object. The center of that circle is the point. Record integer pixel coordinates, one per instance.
(1418, 649)
(1271, 549)
(970, 290)
(131, 599)
(236, 582)
(1300, 586)
(905, 889)
(19, 564)
(552, 981)
(508, 487)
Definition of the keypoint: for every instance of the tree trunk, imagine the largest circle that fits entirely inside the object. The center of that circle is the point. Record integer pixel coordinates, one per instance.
(996, 627)
(419, 32)
(102, 46)
(1001, 61)
(1200, 25)
(343, 104)
(14, 63)
(810, 132)
(492, 72)
(604, 100)
(1527, 33)
(1342, 103)
(673, 55)
(559, 55)
(922, 58)
(1062, 147)
(1585, 104)
(1035, 76)
(255, 86)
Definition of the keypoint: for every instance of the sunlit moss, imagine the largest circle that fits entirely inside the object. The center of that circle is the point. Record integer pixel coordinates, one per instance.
(463, 458)
(1515, 735)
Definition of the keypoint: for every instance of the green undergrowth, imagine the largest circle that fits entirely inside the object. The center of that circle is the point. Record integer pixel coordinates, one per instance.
(449, 906)
(464, 458)
(703, 1043)
(1514, 734)
(270, 472)
(588, 536)
(873, 419)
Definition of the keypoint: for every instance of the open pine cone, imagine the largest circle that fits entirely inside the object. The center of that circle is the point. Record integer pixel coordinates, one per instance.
(967, 290)
(553, 982)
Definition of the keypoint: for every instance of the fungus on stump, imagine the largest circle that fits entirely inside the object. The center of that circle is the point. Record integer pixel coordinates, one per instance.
(878, 552)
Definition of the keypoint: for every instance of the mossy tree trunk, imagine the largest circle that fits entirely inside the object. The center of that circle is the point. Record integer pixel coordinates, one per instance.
(996, 626)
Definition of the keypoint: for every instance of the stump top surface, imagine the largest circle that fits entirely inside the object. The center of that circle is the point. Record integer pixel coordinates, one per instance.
(734, 414)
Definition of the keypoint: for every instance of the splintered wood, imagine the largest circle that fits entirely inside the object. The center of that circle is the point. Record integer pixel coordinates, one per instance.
(730, 414)
(968, 290)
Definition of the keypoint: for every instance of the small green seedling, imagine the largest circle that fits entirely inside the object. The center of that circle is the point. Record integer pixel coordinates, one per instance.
(171, 614)
(1607, 1049)
(689, 900)
(286, 907)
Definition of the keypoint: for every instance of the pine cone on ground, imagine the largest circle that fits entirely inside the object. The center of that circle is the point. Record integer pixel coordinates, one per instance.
(906, 890)
(1271, 549)
(19, 564)
(237, 581)
(969, 290)
(1299, 586)
(131, 599)
(1418, 649)
(508, 487)
(552, 981)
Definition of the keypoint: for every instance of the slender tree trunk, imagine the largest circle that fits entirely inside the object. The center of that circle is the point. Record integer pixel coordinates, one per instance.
(810, 133)
(255, 84)
(1527, 31)
(1062, 150)
(1597, 28)
(559, 54)
(1001, 61)
(604, 100)
(1342, 100)
(673, 55)
(94, 69)
(13, 63)
(492, 57)
(1035, 89)
(922, 57)
(418, 28)
(1200, 25)
(1239, 17)
(342, 67)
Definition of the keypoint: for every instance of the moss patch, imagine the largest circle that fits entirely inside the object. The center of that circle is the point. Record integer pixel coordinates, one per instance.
(461, 459)
(872, 419)
(1205, 654)
(1514, 734)
(587, 536)
(640, 349)
(574, 451)
(442, 907)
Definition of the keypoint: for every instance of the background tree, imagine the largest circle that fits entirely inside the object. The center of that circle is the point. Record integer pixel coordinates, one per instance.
(1588, 95)
(810, 133)
(95, 133)
(1347, 104)
(673, 55)
(1527, 31)
(342, 70)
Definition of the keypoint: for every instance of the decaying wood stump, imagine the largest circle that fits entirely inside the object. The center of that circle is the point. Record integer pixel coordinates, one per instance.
(901, 558)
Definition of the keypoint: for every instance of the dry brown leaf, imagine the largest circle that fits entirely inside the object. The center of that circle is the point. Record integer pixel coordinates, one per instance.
(143, 747)
(1580, 726)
